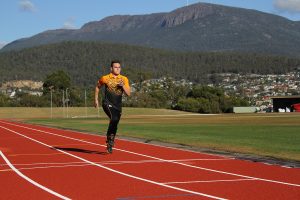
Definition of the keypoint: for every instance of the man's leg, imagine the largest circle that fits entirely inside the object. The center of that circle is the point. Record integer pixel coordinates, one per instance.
(114, 116)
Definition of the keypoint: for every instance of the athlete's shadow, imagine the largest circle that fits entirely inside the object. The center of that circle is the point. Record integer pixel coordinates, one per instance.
(79, 150)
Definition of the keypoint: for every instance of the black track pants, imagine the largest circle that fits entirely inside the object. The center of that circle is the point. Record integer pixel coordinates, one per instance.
(114, 116)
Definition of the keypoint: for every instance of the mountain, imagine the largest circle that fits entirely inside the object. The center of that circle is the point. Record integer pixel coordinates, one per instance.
(86, 61)
(198, 27)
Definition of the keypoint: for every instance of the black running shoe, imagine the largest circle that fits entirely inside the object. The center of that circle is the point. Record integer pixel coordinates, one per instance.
(110, 143)
(109, 148)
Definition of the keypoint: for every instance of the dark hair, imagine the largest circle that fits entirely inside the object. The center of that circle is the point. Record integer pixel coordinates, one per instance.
(114, 61)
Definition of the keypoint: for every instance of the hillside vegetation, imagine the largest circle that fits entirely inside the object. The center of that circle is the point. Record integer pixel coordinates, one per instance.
(85, 62)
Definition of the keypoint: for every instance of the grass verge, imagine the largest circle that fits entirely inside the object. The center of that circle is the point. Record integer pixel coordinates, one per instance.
(273, 135)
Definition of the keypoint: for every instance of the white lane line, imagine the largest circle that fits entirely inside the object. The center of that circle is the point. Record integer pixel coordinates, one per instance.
(32, 181)
(174, 148)
(113, 162)
(212, 181)
(36, 154)
(34, 164)
(80, 164)
(152, 157)
(47, 167)
(115, 171)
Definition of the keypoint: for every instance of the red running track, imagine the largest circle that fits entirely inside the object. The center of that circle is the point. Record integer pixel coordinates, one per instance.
(38, 162)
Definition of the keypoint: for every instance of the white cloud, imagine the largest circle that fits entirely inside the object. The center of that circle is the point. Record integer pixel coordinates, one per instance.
(27, 6)
(292, 6)
(2, 44)
(69, 24)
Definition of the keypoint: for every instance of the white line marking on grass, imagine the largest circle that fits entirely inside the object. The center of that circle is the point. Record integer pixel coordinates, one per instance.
(115, 171)
(154, 115)
(212, 181)
(173, 115)
(32, 181)
(202, 168)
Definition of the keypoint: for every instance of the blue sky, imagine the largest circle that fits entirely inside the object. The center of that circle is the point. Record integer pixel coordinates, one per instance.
(25, 18)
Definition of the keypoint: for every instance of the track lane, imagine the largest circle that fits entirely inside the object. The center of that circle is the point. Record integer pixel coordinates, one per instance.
(15, 187)
(255, 169)
(169, 153)
(249, 189)
(138, 186)
(12, 167)
(165, 153)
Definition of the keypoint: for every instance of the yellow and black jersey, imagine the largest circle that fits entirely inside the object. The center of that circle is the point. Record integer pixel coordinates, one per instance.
(113, 92)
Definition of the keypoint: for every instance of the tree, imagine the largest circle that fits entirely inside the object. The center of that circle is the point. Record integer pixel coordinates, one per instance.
(188, 104)
(4, 100)
(57, 81)
(28, 100)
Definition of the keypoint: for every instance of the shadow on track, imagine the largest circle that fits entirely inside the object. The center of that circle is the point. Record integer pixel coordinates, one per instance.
(79, 150)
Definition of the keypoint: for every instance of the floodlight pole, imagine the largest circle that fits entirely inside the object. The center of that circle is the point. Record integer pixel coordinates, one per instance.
(67, 100)
(63, 101)
(51, 87)
(85, 104)
(51, 104)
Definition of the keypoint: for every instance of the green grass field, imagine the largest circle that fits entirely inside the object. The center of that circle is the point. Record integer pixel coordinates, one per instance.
(275, 134)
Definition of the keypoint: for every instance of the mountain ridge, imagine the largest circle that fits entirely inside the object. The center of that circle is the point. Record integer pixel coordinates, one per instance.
(198, 27)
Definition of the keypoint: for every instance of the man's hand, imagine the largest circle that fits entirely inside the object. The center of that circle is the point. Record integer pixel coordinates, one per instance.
(96, 103)
(121, 83)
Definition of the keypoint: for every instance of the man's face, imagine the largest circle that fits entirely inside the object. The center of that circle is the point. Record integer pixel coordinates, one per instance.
(116, 68)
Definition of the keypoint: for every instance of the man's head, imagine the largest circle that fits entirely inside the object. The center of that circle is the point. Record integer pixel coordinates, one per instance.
(115, 67)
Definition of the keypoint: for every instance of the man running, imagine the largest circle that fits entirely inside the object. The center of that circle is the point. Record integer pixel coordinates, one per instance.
(115, 86)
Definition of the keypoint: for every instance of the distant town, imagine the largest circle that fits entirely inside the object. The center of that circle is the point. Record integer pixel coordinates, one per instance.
(255, 87)
(259, 88)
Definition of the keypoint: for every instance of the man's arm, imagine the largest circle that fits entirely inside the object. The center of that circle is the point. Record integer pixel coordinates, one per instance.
(126, 90)
(125, 85)
(97, 89)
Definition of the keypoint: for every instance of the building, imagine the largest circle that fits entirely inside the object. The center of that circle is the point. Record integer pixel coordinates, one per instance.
(245, 109)
(285, 103)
